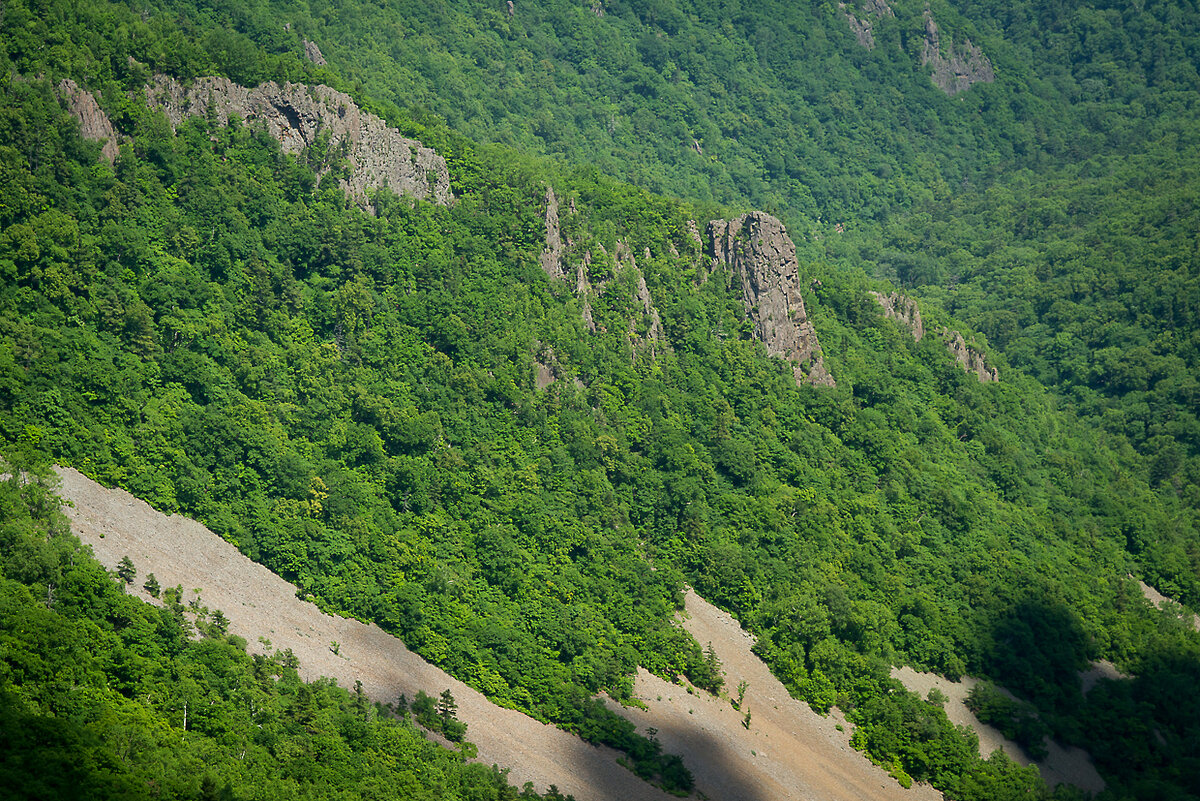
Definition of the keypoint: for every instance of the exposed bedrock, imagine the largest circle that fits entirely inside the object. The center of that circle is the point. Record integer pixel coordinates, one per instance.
(762, 257)
(903, 310)
(299, 116)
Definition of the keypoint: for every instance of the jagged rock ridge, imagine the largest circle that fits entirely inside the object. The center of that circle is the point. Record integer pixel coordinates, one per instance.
(971, 359)
(313, 53)
(965, 66)
(94, 124)
(863, 26)
(903, 309)
(654, 328)
(554, 263)
(298, 115)
(761, 255)
(552, 254)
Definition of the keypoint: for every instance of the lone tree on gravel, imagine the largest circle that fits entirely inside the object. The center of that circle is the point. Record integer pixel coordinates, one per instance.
(447, 710)
(125, 570)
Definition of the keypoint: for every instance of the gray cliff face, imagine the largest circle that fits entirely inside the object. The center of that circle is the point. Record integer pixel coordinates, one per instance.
(654, 331)
(552, 254)
(971, 359)
(862, 20)
(583, 289)
(313, 53)
(654, 335)
(965, 66)
(902, 309)
(762, 257)
(296, 115)
(94, 124)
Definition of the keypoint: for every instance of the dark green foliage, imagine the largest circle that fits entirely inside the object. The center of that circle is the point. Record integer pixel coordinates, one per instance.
(102, 696)
(1087, 279)
(352, 399)
(424, 709)
(126, 571)
(1017, 720)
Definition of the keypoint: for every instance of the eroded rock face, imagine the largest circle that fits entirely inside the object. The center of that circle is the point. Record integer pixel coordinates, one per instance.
(654, 327)
(94, 124)
(296, 115)
(965, 66)
(583, 289)
(902, 309)
(313, 53)
(862, 20)
(762, 257)
(971, 359)
(554, 260)
(655, 330)
(552, 254)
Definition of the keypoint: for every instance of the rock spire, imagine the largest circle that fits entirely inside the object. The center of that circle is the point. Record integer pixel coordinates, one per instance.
(762, 258)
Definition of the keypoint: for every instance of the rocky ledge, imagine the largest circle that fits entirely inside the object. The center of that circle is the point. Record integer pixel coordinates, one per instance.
(94, 124)
(957, 70)
(762, 258)
(862, 19)
(298, 115)
(903, 310)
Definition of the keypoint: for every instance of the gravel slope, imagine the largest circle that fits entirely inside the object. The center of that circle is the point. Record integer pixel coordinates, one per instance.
(1061, 766)
(789, 752)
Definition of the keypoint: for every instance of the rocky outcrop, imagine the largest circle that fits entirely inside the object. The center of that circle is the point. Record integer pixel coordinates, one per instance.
(94, 124)
(313, 53)
(962, 66)
(296, 115)
(554, 258)
(862, 21)
(299, 116)
(654, 329)
(762, 257)
(552, 254)
(902, 309)
(583, 289)
(547, 370)
(543, 375)
(971, 359)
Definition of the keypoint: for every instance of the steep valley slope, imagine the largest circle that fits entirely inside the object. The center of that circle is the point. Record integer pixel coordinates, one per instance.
(788, 751)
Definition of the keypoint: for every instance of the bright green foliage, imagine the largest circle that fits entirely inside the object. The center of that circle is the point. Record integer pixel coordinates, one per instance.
(352, 401)
(102, 696)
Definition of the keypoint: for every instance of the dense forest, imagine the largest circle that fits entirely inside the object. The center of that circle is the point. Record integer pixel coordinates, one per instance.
(353, 398)
(104, 696)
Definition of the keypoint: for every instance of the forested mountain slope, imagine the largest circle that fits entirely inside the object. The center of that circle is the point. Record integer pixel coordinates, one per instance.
(775, 104)
(1064, 154)
(354, 400)
(95, 688)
